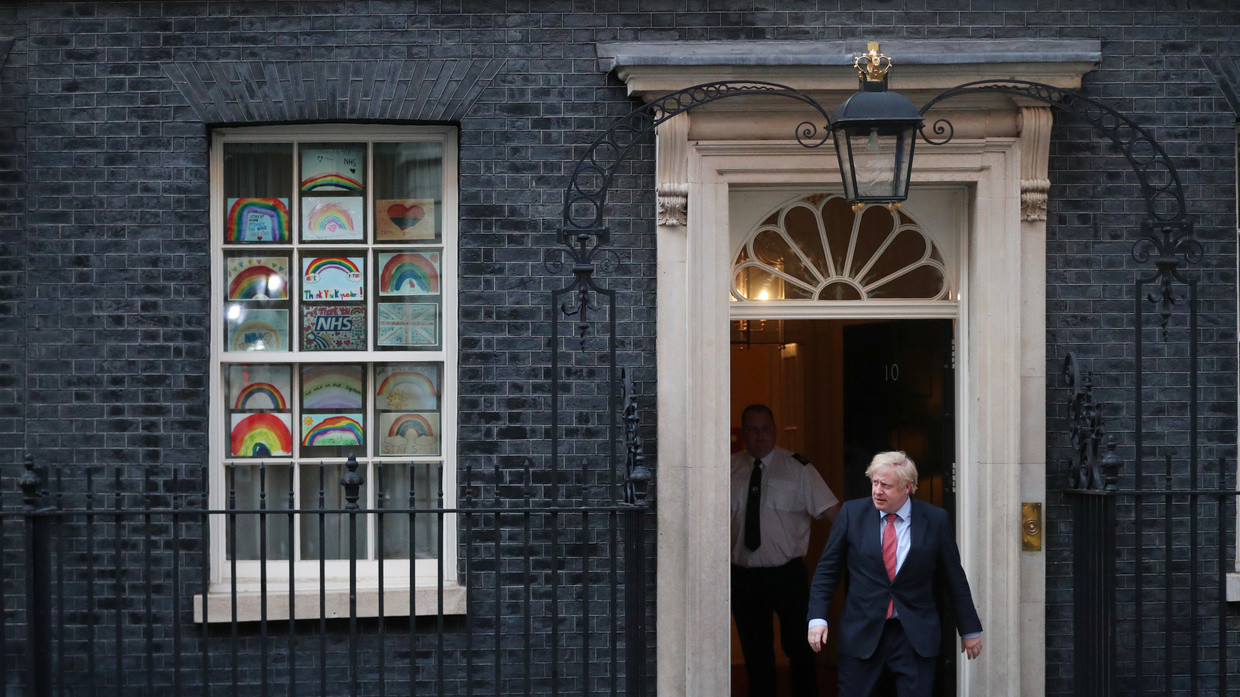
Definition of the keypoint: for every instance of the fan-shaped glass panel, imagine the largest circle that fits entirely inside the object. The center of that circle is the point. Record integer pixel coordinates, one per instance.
(818, 248)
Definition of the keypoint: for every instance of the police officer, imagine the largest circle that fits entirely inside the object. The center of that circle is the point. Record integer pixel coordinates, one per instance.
(775, 495)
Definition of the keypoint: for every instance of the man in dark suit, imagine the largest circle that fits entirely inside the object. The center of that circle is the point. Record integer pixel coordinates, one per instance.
(892, 546)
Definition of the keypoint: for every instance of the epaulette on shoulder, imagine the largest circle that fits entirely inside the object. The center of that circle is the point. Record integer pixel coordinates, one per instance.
(800, 458)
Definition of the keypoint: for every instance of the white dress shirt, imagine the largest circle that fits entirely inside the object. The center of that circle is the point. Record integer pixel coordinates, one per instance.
(793, 494)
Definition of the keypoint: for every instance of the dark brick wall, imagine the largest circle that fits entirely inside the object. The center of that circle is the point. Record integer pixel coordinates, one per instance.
(104, 260)
(12, 232)
(12, 298)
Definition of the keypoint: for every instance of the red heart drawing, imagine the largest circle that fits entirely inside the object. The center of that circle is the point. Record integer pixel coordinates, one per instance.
(404, 216)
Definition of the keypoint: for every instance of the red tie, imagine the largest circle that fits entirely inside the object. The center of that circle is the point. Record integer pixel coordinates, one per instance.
(889, 555)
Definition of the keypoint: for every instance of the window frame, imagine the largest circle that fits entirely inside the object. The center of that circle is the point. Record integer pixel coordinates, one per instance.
(396, 576)
(1233, 576)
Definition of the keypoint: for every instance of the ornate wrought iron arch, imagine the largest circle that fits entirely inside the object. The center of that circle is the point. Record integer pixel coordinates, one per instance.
(1166, 231)
(591, 179)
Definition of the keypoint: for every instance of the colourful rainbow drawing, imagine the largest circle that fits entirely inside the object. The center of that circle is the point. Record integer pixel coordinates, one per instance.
(330, 218)
(325, 264)
(261, 435)
(334, 430)
(258, 220)
(331, 387)
(404, 423)
(409, 274)
(401, 386)
(333, 181)
(255, 282)
(260, 391)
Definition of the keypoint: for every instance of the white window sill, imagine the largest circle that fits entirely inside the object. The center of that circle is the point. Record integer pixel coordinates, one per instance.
(334, 605)
(1233, 587)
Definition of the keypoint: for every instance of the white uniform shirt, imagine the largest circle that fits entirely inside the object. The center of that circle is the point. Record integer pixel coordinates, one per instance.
(792, 494)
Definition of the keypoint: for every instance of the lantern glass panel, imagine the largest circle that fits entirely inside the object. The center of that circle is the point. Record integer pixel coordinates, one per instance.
(879, 160)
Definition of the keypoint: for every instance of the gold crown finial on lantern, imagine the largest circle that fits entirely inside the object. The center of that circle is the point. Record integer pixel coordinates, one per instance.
(872, 66)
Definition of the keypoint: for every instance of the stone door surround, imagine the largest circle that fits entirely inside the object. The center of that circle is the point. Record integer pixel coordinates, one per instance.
(999, 154)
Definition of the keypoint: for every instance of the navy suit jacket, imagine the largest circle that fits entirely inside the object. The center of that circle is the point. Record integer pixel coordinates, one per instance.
(856, 545)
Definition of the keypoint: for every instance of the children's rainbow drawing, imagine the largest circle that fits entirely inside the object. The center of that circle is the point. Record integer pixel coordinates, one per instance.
(332, 169)
(258, 281)
(407, 389)
(333, 218)
(337, 429)
(331, 182)
(332, 278)
(257, 220)
(277, 377)
(259, 330)
(261, 435)
(331, 386)
(409, 434)
(260, 395)
(410, 273)
(410, 425)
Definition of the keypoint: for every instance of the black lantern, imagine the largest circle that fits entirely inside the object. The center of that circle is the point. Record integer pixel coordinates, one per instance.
(874, 134)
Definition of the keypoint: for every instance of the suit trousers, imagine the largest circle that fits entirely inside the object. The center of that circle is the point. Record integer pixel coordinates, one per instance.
(912, 674)
(757, 595)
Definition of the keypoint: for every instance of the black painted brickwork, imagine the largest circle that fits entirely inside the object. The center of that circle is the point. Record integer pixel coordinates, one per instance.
(103, 209)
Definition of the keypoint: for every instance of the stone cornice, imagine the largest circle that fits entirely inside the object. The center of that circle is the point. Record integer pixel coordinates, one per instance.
(920, 70)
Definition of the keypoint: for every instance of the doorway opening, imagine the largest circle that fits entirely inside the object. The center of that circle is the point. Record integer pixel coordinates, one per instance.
(842, 390)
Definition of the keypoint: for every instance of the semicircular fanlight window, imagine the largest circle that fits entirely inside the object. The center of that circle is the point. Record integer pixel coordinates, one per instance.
(818, 248)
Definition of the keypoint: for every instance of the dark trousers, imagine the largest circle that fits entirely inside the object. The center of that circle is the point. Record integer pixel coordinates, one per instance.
(912, 674)
(757, 595)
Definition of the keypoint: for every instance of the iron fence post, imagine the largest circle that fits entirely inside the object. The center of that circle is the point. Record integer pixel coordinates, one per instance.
(38, 585)
(634, 611)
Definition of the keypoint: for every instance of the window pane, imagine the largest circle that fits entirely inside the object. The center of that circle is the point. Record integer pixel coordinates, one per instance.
(253, 278)
(331, 410)
(258, 180)
(333, 179)
(407, 408)
(327, 534)
(258, 409)
(333, 168)
(253, 328)
(256, 488)
(332, 218)
(408, 192)
(256, 301)
(410, 302)
(333, 310)
(415, 486)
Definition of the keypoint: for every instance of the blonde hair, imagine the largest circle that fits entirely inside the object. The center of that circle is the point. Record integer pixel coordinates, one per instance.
(901, 466)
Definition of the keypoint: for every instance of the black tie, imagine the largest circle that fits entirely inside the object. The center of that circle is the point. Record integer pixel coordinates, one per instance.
(753, 533)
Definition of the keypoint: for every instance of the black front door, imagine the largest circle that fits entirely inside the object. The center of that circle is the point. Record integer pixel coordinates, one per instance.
(899, 394)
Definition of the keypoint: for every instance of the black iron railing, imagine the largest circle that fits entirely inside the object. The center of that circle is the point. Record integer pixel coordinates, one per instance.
(1150, 610)
(119, 597)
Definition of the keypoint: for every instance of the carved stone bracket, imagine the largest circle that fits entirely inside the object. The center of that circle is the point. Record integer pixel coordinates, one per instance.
(1033, 199)
(1035, 139)
(673, 204)
(672, 148)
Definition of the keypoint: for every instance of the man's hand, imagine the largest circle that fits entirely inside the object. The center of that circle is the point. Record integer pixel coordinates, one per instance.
(818, 637)
(969, 647)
